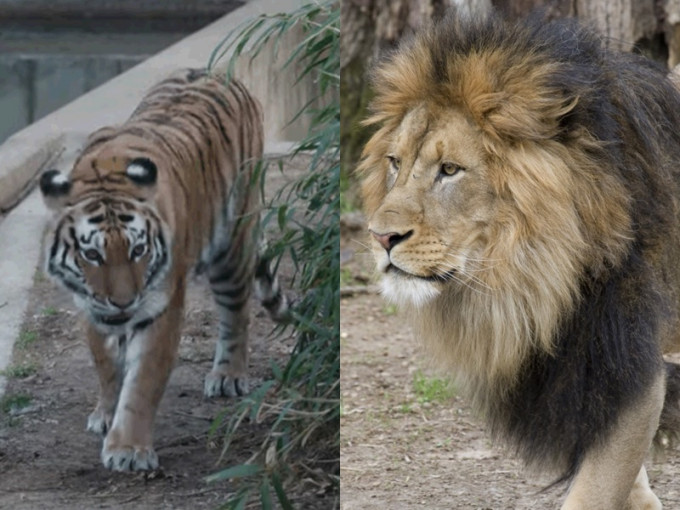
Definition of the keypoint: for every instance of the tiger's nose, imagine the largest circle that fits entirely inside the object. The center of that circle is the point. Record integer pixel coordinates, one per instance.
(121, 304)
(391, 239)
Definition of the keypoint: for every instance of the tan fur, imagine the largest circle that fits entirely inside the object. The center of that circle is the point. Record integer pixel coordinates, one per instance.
(604, 480)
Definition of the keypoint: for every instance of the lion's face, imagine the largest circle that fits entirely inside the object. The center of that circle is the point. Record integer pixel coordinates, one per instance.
(430, 229)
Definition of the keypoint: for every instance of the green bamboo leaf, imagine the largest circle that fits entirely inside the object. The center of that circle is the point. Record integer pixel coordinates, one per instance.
(281, 493)
(282, 216)
(265, 495)
(240, 471)
(240, 503)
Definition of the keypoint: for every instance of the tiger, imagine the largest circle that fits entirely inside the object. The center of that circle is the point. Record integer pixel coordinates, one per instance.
(170, 190)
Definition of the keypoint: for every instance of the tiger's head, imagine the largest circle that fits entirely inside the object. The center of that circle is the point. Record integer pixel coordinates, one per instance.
(109, 247)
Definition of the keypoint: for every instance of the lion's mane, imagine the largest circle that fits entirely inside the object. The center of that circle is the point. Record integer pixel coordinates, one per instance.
(582, 146)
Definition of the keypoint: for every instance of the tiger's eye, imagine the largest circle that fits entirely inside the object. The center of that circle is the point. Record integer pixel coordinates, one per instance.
(92, 255)
(138, 250)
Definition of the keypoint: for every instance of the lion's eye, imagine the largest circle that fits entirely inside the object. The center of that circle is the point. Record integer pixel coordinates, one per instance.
(92, 255)
(394, 162)
(450, 169)
(138, 250)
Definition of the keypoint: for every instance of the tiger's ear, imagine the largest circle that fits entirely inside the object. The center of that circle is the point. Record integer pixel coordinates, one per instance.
(55, 188)
(142, 171)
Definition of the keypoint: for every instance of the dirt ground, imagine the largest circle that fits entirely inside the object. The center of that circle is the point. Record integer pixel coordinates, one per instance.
(48, 460)
(407, 447)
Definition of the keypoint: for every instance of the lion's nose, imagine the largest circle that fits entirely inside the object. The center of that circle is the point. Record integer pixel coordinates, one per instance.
(391, 239)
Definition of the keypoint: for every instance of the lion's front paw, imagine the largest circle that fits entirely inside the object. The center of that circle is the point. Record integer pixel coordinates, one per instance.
(99, 421)
(218, 383)
(129, 458)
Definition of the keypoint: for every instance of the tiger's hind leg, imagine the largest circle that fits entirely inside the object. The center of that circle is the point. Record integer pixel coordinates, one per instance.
(231, 280)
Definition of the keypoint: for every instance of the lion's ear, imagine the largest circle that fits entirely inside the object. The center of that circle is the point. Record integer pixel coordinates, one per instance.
(55, 188)
(518, 102)
(514, 119)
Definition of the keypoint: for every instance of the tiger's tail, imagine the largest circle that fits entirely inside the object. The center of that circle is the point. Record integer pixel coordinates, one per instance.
(267, 288)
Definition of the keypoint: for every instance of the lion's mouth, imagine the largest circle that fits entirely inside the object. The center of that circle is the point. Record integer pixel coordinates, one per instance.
(438, 278)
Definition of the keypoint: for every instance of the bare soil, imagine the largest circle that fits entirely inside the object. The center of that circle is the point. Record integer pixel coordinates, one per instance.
(48, 460)
(402, 451)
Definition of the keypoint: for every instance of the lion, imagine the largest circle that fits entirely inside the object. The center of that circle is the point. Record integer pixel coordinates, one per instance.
(522, 190)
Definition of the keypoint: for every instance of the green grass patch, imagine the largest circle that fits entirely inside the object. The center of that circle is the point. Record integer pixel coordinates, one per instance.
(16, 402)
(26, 338)
(406, 408)
(49, 311)
(19, 371)
(432, 389)
(346, 277)
(39, 277)
(390, 309)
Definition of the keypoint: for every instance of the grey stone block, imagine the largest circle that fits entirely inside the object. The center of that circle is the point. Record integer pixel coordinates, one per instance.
(58, 80)
(15, 95)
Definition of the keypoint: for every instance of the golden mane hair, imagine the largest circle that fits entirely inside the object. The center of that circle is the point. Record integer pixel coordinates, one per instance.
(565, 213)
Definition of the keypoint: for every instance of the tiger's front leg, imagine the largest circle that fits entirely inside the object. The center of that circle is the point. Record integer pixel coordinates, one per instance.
(149, 357)
(105, 353)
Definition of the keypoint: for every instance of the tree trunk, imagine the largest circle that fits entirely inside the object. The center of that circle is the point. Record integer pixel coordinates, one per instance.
(622, 22)
(649, 27)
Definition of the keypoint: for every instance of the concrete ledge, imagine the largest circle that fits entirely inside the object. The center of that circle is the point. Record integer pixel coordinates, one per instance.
(21, 165)
(20, 241)
(24, 154)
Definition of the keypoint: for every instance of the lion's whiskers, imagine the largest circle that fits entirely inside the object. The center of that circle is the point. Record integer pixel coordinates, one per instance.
(363, 245)
(456, 253)
(452, 271)
(469, 272)
(466, 283)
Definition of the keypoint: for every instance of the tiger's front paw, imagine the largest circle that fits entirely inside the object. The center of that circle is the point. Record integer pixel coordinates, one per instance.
(129, 458)
(218, 383)
(99, 421)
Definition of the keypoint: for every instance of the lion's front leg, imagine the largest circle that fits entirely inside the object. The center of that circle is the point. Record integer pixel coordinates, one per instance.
(149, 358)
(642, 497)
(612, 476)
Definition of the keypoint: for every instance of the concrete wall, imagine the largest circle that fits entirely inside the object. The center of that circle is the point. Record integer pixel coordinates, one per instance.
(31, 149)
(53, 51)
(32, 86)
